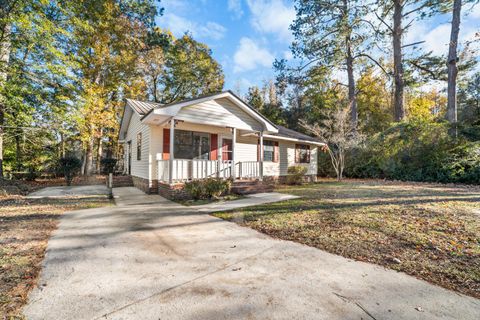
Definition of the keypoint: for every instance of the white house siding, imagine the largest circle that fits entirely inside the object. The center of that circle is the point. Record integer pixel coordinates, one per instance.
(220, 112)
(246, 148)
(140, 168)
(287, 158)
(156, 149)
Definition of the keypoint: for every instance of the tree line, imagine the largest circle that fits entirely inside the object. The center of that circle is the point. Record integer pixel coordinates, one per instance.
(352, 54)
(66, 67)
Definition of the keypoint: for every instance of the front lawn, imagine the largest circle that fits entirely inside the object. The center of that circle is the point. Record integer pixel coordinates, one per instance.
(25, 226)
(430, 231)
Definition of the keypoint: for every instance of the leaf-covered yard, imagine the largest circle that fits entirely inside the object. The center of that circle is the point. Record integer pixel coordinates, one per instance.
(426, 230)
(25, 226)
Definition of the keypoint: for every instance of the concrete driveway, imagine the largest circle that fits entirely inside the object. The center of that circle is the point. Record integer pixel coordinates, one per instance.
(150, 258)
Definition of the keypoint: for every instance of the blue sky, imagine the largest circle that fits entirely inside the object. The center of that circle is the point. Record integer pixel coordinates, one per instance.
(247, 35)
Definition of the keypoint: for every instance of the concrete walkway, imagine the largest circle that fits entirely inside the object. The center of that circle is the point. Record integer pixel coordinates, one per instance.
(149, 258)
(72, 191)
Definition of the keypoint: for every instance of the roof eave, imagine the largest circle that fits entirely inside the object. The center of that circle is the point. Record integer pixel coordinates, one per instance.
(317, 143)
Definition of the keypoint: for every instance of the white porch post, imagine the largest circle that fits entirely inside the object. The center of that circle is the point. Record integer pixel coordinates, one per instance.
(234, 151)
(261, 155)
(170, 161)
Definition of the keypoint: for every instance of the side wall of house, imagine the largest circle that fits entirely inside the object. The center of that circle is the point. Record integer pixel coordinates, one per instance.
(286, 157)
(140, 169)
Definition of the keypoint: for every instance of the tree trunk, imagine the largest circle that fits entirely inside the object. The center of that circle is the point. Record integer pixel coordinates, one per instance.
(84, 162)
(18, 151)
(62, 145)
(399, 108)
(5, 47)
(89, 157)
(349, 62)
(352, 99)
(99, 154)
(452, 64)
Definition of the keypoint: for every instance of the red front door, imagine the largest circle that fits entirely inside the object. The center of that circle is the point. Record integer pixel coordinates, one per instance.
(226, 149)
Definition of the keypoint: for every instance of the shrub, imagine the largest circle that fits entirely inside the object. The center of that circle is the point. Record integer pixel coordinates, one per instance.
(417, 151)
(70, 166)
(207, 188)
(196, 189)
(216, 187)
(296, 174)
(108, 165)
(31, 174)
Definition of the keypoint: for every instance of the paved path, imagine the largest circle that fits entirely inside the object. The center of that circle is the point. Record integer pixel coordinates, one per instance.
(72, 191)
(150, 258)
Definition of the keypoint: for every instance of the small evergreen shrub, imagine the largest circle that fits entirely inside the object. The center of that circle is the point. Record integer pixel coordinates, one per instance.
(70, 166)
(296, 174)
(108, 165)
(216, 187)
(196, 189)
(208, 188)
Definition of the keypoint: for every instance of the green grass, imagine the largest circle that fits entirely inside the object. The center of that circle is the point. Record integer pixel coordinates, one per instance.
(426, 230)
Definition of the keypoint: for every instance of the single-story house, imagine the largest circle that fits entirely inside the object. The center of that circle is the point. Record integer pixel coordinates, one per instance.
(217, 135)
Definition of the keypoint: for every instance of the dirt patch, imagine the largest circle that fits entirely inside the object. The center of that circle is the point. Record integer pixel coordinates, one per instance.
(25, 227)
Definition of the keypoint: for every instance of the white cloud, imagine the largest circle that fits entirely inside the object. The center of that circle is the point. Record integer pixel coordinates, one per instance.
(415, 33)
(212, 30)
(249, 55)
(437, 39)
(179, 25)
(272, 16)
(235, 6)
(475, 13)
(287, 54)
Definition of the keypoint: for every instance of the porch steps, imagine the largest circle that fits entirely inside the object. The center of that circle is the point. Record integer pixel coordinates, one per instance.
(251, 186)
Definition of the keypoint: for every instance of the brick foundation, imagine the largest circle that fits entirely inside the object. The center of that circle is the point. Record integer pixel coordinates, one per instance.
(173, 192)
(144, 185)
(283, 179)
(177, 192)
(122, 181)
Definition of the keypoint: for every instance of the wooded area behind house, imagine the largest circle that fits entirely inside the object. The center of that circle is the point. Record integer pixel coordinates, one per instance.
(67, 66)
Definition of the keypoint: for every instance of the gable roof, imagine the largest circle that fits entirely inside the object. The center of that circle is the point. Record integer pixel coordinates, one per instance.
(171, 109)
(144, 109)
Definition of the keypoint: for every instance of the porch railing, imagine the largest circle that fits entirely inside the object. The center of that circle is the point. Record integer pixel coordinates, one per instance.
(248, 169)
(187, 170)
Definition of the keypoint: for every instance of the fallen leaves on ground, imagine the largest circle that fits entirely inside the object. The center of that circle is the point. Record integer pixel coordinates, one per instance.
(431, 231)
(25, 226)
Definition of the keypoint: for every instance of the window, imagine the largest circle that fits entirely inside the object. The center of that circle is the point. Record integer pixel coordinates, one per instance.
(139, 146)
(269, 151)
(191, 145)
(302, 153)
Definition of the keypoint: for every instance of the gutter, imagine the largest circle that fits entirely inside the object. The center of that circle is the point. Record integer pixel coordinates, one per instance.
(320, 144)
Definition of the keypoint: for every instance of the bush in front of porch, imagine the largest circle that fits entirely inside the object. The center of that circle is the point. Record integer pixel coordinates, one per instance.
(210, 188)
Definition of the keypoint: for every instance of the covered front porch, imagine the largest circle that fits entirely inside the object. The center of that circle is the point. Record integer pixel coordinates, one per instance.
(189, 154)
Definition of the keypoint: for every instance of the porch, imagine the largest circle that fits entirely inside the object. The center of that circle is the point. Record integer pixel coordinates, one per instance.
(192, 151)
(181, 170)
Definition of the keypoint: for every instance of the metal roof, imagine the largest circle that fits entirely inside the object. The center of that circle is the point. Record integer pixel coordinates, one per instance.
(289, 133)
(141, 107)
